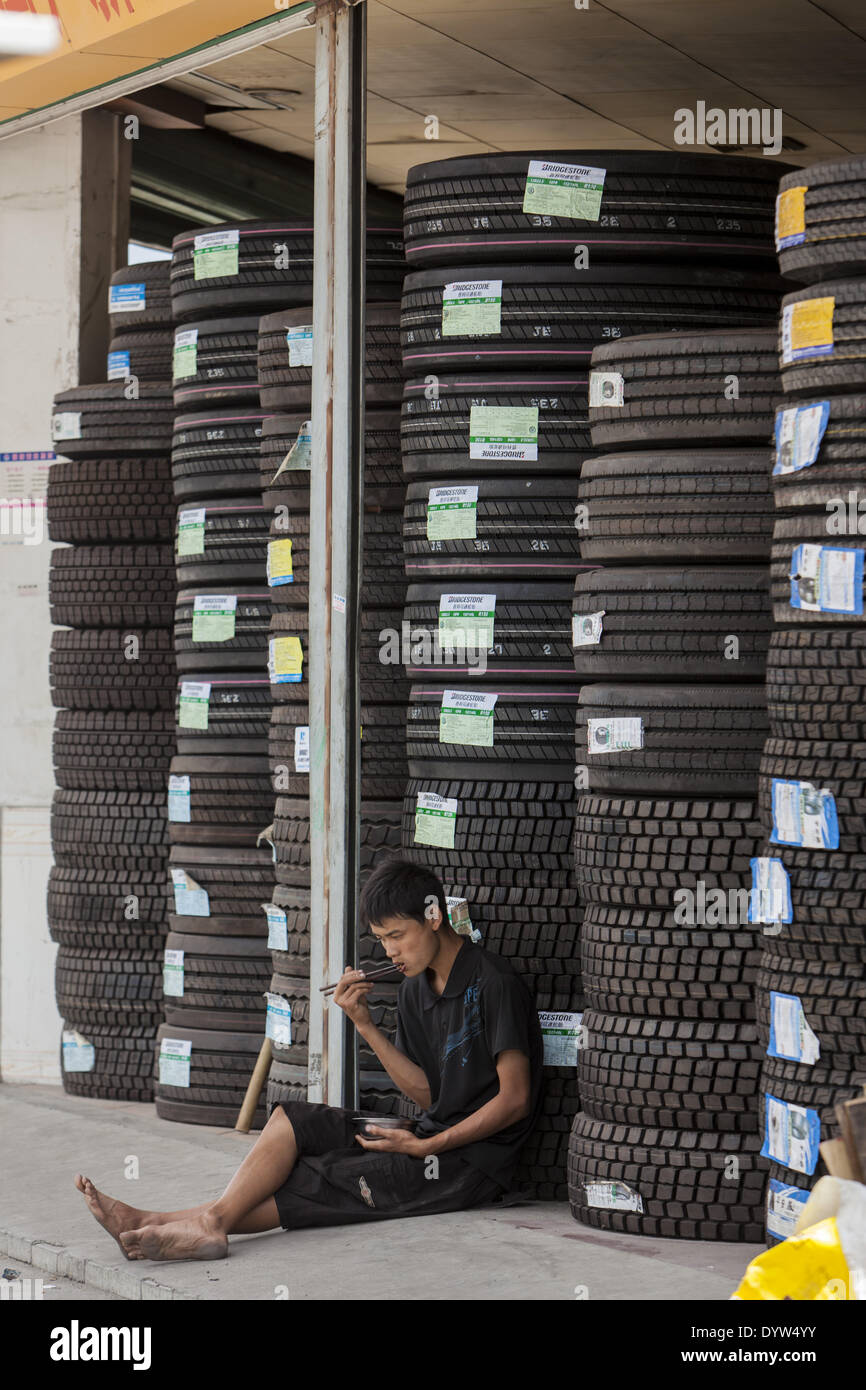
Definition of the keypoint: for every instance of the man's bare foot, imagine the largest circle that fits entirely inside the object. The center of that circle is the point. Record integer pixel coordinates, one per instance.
(115, 1216)
(199, 1238)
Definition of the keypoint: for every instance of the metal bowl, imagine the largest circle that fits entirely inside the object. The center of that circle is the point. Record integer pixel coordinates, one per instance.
(384, 1121)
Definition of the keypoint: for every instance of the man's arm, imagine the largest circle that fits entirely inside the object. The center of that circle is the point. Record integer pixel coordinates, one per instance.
(351, 996)
(506, 1108)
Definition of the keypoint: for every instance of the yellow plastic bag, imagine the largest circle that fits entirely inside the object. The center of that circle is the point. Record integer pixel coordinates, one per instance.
(809, 1266)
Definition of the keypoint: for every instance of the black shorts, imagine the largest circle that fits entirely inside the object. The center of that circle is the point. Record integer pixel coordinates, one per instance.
(336, 1182)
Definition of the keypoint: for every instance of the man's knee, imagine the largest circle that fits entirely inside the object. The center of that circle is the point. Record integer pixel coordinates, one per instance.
(279, 1123)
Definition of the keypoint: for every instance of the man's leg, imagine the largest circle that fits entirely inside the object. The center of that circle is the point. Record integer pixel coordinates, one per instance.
(245, 1208)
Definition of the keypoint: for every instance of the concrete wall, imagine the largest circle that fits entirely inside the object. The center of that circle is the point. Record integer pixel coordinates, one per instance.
(54, 199)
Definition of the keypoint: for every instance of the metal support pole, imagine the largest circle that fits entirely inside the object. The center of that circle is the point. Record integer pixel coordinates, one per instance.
(336, 510)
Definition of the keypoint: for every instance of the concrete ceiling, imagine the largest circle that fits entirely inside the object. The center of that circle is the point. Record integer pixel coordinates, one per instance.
(536, 74)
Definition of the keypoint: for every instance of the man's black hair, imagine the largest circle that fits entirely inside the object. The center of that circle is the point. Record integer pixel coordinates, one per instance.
(399, 888)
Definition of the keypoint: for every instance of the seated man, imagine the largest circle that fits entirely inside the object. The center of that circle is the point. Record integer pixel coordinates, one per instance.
(468, 1052)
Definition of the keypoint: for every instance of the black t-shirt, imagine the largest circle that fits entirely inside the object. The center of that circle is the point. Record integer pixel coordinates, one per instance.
(456, 1037)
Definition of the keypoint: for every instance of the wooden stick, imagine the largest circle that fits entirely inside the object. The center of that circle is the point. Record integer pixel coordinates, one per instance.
(254, 1089)
(370, 975)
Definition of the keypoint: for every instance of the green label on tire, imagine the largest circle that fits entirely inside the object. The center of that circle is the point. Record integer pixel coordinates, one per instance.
(472, 309)
(466, 620)
(215, 253)
(452, 513)
(174, 1060)
(190, 531)
(172, 974)
(435, 820)
(563, 190)
(185, 353)
(194, 700)
(213, 617)
(466, 716)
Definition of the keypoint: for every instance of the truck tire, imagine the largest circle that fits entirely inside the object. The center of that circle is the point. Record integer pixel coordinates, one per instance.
(238, 714)
(112, 750)
(98, 421)
(112, 586)
(532, 634)
(224, 364)
(97, 500)
(216, 451)
(532, 734)
(112, 669)
(287, 387)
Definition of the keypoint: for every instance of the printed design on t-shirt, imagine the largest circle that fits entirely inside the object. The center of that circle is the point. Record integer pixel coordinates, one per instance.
(365, 1191)
(470, 1028)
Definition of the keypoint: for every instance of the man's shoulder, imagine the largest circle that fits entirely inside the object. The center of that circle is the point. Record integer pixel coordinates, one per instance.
(493, 967)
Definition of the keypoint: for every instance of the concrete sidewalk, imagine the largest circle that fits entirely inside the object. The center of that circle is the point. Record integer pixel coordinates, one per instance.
(529, 1252)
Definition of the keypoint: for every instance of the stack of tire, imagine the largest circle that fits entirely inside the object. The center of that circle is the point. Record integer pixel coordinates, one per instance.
(112, 678)
(811, 988)
(522, 265)
(672, 632)
(285, 381)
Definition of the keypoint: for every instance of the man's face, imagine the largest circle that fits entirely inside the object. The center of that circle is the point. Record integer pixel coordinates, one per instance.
(411, 946)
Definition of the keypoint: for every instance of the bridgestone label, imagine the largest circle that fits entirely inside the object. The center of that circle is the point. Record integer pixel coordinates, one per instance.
(612, 1196)
(586, 629)
(78, 1053)
(193, 705)
(435, 820)
(300, 455)
(190, 899)
(179, 798)
(461, 922)
(807, 329)
(791, 1038)
(302, 749)
(278, 1025)
(827, 579)
(285, 660)
(606, 388)
(503, 432)
(466, 620)
(563, 190)
(799, 431)
(560, 1034)
(213, 617)
(118, 366)
(466, 716)
(215, 253)
(278, 930)
(452, 514)
(784, 1207)
(127, 299)
(174, 1057)
(792, 1134)
(299, 341)
(790, 228)
(614, 735)
(472, 309)
(185, 354)
(280, 563)
(804, 816)
(190, 531)
(172, 974)
(66, 425)
(770, 900)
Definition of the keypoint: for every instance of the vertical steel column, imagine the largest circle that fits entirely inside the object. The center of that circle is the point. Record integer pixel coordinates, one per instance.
(336, 509)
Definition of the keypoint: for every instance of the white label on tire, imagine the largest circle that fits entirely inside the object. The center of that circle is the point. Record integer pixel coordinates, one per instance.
(472, 308)
(784, 1207)
(66, 425)
(127, 299)
(563, 190)
(185, 355)
(213, 617)
(560, 1034)
(466, 717)
(770, 899)
(799, 431)
(190, 899)
(466, 620)
(586, 629)
(461, 922)
(118, 366)
(78, 1053)
(300, 344)
(193, 707)
(791, 1038)
(504, 432)
(804, 815)
(452, 513)
(792, 1134)
(190, 531)
(174, 1060)
(179, 798)
(216, 253)
(614, 735)
(278, 930)
(612, 1196)
(172, 974)
(300, 455)
(827, 579)
(606, 389)
(435, 820)
(302, 748)
(278, 1025)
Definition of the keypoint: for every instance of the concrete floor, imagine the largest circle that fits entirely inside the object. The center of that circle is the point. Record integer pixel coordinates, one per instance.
(535, 1251)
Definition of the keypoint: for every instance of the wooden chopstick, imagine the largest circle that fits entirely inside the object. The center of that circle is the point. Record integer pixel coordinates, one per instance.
(370, 975)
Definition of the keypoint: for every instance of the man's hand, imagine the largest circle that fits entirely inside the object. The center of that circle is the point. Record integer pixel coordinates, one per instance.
(351, 996)
(393, 1141)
